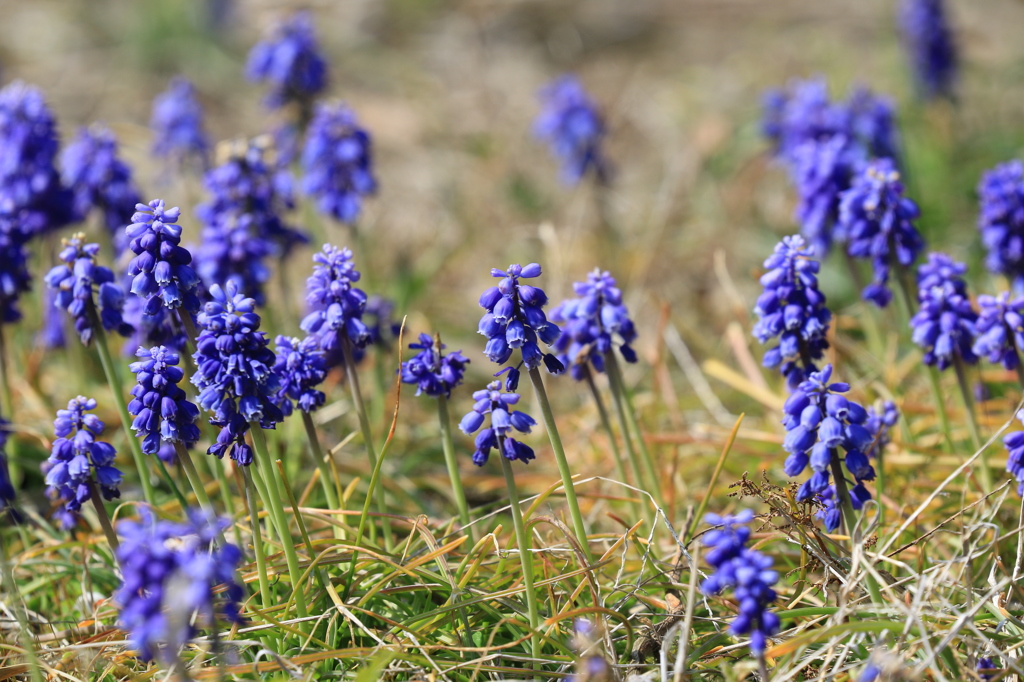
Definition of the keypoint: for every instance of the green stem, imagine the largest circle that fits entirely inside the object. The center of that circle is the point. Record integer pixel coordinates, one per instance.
(193, 477)
(110, 369)
(257, 541)
(171, 482)
(326, 479)
(364, 426)
(6, 401)
(276, 510)
(14, 596)
(453, 464)
(940, 406)
(602, 412)
(624, 406)
(101, 514)
(217, 468)
(972, 421)
(525, 556)
(563, 464)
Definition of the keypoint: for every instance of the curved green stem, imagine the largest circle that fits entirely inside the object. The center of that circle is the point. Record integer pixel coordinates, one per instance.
(453, 464)
(326, 479)
(624, 405)
(972, 422)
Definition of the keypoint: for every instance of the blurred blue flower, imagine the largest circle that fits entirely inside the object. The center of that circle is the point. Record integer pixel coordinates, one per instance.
(944, 326)
(300, 368)
(177, 122)
(433, 372)
(999, 330)
(929, 42)
(162, 412)
(171, 572)
(78, 461)
(503, 423)
(1001, 220)
(337, 162)
(792, 309)
(515, 319)
(289, 62)
(161, 271)
(15, 279)
(745, 571)
(572, 126)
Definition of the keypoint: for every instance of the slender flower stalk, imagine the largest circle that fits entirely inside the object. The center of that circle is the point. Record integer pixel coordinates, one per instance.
(613, 443)
(623, 401)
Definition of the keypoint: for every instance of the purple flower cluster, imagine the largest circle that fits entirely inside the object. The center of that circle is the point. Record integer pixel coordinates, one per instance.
(878, 222)
(1001, 220)
(235, 372)
(98, 178)
(999, 330)
(84, 288)
(337, 162)
(161, 271)
(819, 421)
(433, 372)
(503, 422)
(162, 412)
(515, 320)
(300, 368)
(171, 571)
(929, 43)
(336, 305)
(793, 310)
(572, 126)
(745, 571)
(177, 122)
(944, 326)
(591, 665)
(289, 61)
(594, 323)
(78, 461)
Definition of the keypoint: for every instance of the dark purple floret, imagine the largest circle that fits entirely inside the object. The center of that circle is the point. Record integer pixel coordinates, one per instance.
(930, 46)
(999, 330)
(300, 368)
(593, 324)
(163, 414)
(1001, 220)
(573, 128)
(745, 571)
(235, 375)
(336, 305)
(15, 279)
(986, 663)
(78, 461)
(177, 122)
(794, 310)
(170, 572)
(503, 422)
(878, 223)
(86, 289)
(515, 320)
(591, 665)
(98, 178)
(337, 162)
(161, 270)
(944, 326)
(289, 62)
(433, 372)
(819, 422)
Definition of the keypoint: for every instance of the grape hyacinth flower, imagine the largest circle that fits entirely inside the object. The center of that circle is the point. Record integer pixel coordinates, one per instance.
(987, 663)
(300, 369)
(878, 222)
(999, 329)
(177, 122)
(170, 573)
(78, 461)
(162, 412)
(515, 319)
(15, 279)
(747, 572)
(161, 270)
(819, 422)
(86, 289)
(574, 130)
(595, 323)
(1001, 220)
(591, 665)
(928, 39)
(336, 305)
(235, 374)
(944, 327)
(793, 310)
(504, 422)
(337, 163)
(433, 372)
(289, 61)
(98, 178)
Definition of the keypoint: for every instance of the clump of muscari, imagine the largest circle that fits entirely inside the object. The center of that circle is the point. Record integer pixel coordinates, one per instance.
(337, 162)
(431, 370)
(163, 414)
(78, 462)
(944, 326)
(235, 372)
(161, 270)
(573, 128)
(999, 329)
(747, 572)
(171, 573)
(793, 310)
(300, 368)
(504, 423)
(289, 62)
(929, 42)
(177, 122)
(336, 305)
(878, 222)
(595, 323)
(86, 290)
(1001, 220)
